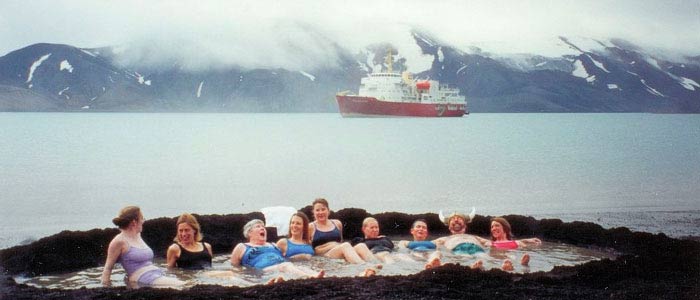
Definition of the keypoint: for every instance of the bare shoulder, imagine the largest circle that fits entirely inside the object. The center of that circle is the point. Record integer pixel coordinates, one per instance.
(337, 223)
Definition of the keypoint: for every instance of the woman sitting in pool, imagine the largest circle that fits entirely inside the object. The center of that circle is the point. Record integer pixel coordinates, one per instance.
(502, 238)
(298, 244)
(327, 237)
(133, 254)
(257, 253)
(188, 251)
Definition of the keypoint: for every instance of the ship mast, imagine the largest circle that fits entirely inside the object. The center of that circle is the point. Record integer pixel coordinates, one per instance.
(389, 61)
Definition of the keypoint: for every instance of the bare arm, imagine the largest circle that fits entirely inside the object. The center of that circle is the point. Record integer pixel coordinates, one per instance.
(483, 241)
(172, 255)
(528, 242)
(282, 245)
(208, 246)
(237, 254)
(340, 227)
(113, 252)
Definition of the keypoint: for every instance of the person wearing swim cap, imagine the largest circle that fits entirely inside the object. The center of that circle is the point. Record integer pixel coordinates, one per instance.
(459, 242)
(421, 246)
(502, 239)
(257, 253)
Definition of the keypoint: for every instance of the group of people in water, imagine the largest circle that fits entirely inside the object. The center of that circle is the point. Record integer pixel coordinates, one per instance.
(322, 237)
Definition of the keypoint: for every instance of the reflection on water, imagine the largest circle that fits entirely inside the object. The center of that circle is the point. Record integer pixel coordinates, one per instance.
(543, 258)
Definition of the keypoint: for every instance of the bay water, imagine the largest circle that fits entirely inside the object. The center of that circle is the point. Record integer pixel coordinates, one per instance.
(74, 171)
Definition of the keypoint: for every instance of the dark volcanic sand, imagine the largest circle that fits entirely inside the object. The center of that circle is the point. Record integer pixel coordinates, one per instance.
(650, 267)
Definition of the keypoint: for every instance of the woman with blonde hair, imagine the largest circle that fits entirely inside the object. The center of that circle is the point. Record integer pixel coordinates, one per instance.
(129, 249)
(188, 251)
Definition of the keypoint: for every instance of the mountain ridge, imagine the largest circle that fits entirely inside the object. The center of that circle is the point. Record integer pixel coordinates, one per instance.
(610, 76)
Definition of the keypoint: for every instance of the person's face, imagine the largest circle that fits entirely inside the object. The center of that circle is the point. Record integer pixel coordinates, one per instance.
(457, 225)
(296, 226)
(258, 232)
(185, 233)
(371, 230)
(497, 231)
(419, 231)
(320, 212)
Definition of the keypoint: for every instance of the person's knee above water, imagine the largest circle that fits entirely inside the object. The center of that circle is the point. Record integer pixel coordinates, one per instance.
(257, 253)
(327, 237)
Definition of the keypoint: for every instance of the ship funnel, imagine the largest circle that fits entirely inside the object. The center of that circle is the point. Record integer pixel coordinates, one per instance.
(407, 77)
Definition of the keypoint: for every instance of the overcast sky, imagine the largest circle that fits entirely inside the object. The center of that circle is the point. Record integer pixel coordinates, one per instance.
(251, 31)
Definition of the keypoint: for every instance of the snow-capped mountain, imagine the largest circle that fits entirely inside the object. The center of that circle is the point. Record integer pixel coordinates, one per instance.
(587, 76)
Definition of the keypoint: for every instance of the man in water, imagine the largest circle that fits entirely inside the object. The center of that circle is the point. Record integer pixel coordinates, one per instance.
(421, 246)
(459, 242)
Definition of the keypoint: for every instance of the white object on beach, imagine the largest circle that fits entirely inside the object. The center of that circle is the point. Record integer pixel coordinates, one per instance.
(278, 216)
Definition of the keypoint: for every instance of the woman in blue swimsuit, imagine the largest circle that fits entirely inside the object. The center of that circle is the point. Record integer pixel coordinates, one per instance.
(128, 249)
(257, 253)
(327, 237)
(298, 244)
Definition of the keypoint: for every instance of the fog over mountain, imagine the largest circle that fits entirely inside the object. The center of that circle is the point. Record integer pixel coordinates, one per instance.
(260, 34)
(520, 56)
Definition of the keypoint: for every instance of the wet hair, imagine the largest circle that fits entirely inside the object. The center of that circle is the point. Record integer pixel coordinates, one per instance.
(413, 225)
(322, 201)
(506, 227)
(126, 216)
(192, 221)
(305, 232)
(248, 226)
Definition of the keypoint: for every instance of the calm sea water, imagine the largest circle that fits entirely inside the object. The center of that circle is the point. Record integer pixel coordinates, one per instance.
(75, 171)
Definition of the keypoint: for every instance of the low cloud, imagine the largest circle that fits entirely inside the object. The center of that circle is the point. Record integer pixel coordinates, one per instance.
(304, 34)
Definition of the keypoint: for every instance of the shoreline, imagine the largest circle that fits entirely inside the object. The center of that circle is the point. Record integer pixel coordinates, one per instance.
(650, 265)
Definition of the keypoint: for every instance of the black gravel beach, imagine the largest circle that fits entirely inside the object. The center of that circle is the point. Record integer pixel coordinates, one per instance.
(650, 266)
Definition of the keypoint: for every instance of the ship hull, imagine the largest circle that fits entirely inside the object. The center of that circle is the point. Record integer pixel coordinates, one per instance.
(358, 106)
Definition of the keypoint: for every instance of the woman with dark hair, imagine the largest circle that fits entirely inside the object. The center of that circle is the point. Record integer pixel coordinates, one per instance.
(327, 237)
(297, 245)
(133, 254)
(502, 238)
(188, 251)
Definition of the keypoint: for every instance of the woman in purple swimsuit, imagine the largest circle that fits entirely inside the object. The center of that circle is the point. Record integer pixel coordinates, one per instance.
(128, 249)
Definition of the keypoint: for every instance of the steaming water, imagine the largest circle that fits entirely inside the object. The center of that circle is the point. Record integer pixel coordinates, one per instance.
(69, 171)
(543, 258)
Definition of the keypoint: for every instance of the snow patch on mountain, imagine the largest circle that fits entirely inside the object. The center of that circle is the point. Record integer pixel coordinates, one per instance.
(580, 70)
(598, 64)
(652, 90)
(311, 77)
(88, 53)
(62, 91)
(65, 65)
(689, 83)
(199, 89)
(35, 65)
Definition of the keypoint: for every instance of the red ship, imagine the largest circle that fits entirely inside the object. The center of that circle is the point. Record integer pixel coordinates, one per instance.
(393, 94)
